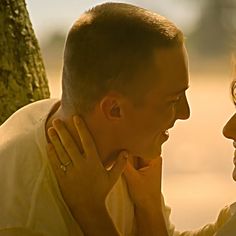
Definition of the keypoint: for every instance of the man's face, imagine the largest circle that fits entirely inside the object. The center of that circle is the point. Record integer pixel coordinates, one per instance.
(144, 128)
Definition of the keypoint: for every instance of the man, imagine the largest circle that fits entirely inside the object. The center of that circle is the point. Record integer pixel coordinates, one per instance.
(125, 73)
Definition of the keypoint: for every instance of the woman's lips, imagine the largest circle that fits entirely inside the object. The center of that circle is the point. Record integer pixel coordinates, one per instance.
(234, 144)
(234, 160)
(164, 136)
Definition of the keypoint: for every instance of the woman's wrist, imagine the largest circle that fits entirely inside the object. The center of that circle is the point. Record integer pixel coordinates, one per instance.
(150, 221)
(96, 221)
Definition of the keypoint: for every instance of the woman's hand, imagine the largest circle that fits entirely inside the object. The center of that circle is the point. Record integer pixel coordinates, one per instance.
(83, 180)
(145, 183)
(144, 186)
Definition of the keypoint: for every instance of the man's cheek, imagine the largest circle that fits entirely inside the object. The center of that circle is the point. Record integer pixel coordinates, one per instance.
(168, 118)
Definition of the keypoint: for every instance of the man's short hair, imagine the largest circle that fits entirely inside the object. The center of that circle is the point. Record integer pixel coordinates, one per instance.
(107, 47)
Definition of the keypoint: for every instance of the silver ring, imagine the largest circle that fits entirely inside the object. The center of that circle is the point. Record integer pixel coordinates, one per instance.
(63, 166)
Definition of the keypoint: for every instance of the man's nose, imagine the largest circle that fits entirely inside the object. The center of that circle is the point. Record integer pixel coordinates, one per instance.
(183, 110)
(229, 130)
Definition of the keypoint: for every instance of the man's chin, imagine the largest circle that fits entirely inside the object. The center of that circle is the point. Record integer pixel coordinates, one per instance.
(156, 153)
(150, 156)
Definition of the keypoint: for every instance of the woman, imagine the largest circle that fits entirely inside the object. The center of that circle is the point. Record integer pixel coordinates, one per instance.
(143, 181)
(229, 130)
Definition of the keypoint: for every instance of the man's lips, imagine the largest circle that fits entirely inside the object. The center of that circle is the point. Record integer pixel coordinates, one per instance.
(234, 160)
(166, 131)
(234, 144)
(164, 136)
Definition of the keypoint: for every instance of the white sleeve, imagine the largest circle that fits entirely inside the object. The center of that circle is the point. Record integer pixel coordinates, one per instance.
(229, 228)
(224, 223)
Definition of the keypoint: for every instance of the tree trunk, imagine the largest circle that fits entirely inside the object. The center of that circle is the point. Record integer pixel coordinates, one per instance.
(22, 73)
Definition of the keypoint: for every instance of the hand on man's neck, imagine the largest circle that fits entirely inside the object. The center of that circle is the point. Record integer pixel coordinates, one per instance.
(58, 113)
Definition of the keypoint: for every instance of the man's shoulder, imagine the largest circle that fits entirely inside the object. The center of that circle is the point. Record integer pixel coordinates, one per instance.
(22, 136)
(27, 116)
(22, 161)
(17, 133)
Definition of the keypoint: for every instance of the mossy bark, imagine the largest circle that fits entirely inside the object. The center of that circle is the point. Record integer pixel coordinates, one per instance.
(22, 73)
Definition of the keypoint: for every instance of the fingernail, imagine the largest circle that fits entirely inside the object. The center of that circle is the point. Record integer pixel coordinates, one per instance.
(56, 122)
(51, 131)
(76, 119)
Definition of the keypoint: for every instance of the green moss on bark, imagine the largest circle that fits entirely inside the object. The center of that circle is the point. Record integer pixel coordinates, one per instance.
(22, 73)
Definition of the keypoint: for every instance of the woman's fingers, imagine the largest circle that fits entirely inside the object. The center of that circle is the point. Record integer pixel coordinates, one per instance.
(118, 167)
(53, 158)
(61, 153)
(86, 138)
(66, 150)
(131, 174)
(67, 141)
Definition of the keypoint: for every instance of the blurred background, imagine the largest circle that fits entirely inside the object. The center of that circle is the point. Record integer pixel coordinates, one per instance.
(198, 160)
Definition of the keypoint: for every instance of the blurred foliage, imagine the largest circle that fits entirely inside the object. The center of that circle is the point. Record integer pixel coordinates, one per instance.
(52, 49)
(215, 34)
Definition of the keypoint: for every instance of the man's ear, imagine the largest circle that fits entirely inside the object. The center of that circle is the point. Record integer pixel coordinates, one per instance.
(111, 108)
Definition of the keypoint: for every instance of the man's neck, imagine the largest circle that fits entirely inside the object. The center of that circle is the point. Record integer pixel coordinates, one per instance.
(57, 113)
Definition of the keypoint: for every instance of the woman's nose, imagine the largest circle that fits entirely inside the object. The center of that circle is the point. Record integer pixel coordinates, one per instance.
(229, 130)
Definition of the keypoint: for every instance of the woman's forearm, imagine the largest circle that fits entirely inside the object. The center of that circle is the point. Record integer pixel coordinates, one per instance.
(150, 223)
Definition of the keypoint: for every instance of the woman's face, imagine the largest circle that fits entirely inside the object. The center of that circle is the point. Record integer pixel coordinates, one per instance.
(229, 132)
